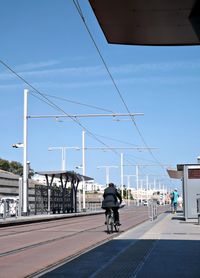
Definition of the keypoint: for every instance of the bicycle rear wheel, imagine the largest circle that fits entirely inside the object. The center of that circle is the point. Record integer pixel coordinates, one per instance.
(110, 224)
(116, 228)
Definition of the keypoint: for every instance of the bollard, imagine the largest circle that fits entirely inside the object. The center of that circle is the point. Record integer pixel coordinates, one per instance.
(151, 210)
(198, 219)
(4, 209)
(198, 210)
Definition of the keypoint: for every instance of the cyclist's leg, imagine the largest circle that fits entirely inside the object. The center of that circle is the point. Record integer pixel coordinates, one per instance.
(106, 212)
(116, 215)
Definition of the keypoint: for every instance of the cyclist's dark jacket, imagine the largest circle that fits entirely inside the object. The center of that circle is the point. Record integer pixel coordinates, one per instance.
(111, 196)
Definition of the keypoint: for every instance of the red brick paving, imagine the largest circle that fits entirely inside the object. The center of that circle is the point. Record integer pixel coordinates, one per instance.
(56, 241)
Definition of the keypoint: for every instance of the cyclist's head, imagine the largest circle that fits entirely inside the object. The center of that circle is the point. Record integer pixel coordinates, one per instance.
(111, 184)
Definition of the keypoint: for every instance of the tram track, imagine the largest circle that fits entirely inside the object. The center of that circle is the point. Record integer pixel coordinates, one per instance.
(140, 217)
(45, 246)
(44, 242)
(67, 221)
(39, 228)
(138, 220)
(70, 258)
(49, 268)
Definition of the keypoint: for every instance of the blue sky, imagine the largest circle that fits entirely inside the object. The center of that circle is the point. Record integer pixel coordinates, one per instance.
(47, 44)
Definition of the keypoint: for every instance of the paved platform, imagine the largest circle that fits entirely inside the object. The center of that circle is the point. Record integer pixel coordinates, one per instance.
(166, 247)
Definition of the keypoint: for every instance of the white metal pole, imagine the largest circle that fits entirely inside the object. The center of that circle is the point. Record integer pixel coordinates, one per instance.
(20, 197)
(154, 185)
(137, 183)
(63, 149)
(147, 186)
(25, 166)
(79, 200)
(83, 166)
(163, 195)
(128, 191)
(141, 188)
(107, 176)
(122, 173)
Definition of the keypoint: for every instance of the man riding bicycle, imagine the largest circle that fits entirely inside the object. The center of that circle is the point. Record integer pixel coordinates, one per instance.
(112, 199)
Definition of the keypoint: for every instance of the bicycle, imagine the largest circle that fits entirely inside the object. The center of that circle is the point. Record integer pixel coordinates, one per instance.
(110, 222)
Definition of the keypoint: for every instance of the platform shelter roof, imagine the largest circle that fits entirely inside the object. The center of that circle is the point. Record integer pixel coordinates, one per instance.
(144, 22)
(65, 174)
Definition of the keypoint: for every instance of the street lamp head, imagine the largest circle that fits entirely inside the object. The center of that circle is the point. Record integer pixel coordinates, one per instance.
(18, 145)
(79, 167)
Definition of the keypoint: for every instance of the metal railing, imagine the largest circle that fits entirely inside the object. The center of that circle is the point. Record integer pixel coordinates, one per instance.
(93, 206)
(152, 209)
(9, 208)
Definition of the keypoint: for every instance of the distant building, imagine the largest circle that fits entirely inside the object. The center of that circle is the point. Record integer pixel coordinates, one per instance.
(143, 194)
(9, 184)
(91, 186)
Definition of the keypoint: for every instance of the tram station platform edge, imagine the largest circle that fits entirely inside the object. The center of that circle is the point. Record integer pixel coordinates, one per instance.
(43, 217)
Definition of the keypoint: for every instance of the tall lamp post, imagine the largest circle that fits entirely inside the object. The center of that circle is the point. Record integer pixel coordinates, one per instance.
(128, 185)
(25, 165)
(23, 196)
(122, 173)
(83, 167)
(63, 149)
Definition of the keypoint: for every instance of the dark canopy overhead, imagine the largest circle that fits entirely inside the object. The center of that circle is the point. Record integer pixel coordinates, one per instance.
(174, 174)
(149, 22)
(65, 174)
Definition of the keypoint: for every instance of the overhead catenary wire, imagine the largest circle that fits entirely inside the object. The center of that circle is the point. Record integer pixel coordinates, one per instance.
(116, 140)
(46, 100)
(41, 96)
(78, 7)
(80, 103)
(97, 135)
(96, 107)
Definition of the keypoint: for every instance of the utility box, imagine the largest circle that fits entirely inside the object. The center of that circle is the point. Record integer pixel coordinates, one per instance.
(190, 176)
(191, 189)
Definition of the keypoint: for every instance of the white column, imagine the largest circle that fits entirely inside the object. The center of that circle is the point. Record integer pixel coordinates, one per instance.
(122, 173)
(107, 176)
(83, 166)
(154, 185)
(63, 149)
(147, 186)
(25, 166)
(141, 188)
(20, 184)
(137, 182)
(128, 187)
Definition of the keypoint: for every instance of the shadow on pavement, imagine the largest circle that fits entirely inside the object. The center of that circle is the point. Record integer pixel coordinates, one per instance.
(135, 258)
